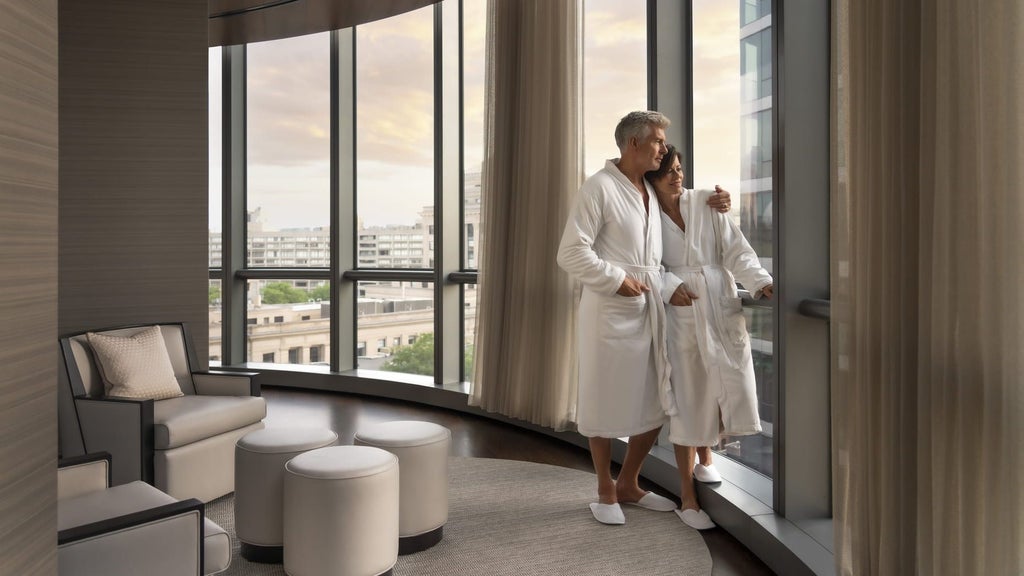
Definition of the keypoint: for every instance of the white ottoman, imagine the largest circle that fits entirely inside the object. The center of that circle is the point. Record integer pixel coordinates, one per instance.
(341, 512)
(259, 485)
(422, 450)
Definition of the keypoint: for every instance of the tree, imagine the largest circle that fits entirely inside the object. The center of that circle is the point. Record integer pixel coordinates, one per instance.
(416, 358)
(283, 293)
(321, 293)
(467, 362)
(214, 294)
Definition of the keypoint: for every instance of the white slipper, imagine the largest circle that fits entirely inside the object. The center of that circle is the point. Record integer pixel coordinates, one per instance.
(652, 501)
(696, 519)
(707, 474)
(607, 513)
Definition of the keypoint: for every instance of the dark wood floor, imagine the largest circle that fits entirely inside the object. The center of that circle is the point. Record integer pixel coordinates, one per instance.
(477, 437)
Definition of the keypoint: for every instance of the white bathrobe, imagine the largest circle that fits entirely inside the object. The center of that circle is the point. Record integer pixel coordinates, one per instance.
(708, 343)
(624, 386)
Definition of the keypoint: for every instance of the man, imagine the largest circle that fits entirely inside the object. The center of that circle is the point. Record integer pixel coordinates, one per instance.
(612, 244)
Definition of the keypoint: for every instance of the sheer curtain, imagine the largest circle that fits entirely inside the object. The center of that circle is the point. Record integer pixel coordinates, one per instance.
(525, 357)
(928, 255)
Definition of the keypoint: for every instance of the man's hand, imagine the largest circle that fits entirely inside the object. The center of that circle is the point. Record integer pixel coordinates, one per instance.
(721, 200)
(682, 296)
(631, 287)
(767, 291)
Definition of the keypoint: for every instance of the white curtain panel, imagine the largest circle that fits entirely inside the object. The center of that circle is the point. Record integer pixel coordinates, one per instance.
(525, 357)
(928, 258)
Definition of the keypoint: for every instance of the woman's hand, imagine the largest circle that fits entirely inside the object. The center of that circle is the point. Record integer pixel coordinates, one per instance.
(767, 291)
(682, 296)
(721, 200)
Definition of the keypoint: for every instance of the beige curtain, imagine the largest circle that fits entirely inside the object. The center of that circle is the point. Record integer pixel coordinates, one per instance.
(525, 330)
(928, 255)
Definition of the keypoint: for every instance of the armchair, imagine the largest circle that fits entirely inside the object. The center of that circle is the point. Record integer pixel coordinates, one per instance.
(130, 529)
(182, 445)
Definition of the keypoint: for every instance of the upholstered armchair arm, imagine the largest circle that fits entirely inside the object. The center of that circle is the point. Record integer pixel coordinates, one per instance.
(79, 475)
(124, 428)
(222, 383)
(167, 539)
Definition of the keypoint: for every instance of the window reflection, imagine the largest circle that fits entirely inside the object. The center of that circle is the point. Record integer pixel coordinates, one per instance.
(732, 78)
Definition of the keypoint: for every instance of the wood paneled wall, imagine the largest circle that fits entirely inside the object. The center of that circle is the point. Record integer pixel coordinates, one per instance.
(28, 286)
(133, 166)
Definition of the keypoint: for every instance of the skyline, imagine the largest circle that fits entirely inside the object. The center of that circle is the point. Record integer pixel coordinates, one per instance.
(288, 144)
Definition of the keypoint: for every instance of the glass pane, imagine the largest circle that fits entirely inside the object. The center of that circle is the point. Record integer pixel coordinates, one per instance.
(395, 247)
(752, 10)
(215, 322)
(215, 199)
(395, 327)
(310, 248)
(733, 112)
(288, 149)
(469, 329)
(215, 131)
(395, 140)
(614, 73)
(474, 30)
(288, 322)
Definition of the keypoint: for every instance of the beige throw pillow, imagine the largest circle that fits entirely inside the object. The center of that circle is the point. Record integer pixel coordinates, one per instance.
(136, 366)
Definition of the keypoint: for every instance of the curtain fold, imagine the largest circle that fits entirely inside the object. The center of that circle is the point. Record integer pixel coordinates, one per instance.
(525, 356)
(927, 240)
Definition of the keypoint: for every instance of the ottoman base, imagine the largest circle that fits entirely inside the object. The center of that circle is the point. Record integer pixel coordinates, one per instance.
(419, 542)
(262, 554)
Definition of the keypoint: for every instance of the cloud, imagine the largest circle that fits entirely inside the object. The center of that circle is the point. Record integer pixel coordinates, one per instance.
(288, 91)
(614, 73)
(293, 198)
(395, 89)
(389, 193)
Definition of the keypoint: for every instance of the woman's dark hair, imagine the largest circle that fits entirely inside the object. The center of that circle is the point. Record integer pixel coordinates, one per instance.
(666, 164)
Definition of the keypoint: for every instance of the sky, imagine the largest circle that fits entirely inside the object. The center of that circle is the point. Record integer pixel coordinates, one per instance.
(288, 117)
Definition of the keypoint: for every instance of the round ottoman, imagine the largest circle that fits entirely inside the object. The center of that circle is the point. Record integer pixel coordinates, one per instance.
(341, 512)
(259, 485)
(422, 450)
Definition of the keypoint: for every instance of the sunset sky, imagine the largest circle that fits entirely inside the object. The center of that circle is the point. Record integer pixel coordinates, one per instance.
(288, 116)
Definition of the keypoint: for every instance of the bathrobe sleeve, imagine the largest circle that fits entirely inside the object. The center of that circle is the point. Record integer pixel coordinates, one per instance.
(740, 259)
(669, 283)
(576, 254)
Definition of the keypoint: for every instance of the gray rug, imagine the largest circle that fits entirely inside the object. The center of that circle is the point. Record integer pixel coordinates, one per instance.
(521, 518)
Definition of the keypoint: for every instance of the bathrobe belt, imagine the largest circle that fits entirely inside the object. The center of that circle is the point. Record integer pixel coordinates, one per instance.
(715, 349)
(656, 315)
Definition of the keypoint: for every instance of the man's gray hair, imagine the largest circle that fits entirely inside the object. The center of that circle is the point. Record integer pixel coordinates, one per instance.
(638, 125)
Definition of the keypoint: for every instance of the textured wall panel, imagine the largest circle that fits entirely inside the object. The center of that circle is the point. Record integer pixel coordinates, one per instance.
(28, 286)
(133, 166)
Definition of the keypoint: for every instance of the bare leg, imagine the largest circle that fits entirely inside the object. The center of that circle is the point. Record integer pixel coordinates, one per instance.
(627, 487)
(685, 459)
(705, 455)
(601, 454)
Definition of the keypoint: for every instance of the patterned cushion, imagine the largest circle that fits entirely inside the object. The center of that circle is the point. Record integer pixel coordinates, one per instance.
(137, 366)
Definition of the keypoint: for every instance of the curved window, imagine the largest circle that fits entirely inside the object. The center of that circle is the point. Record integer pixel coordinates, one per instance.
(732, 121)
(614, 73)
(288, 146)
(395, 141)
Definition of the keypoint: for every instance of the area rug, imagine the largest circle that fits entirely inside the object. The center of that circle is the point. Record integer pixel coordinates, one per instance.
(512, 518)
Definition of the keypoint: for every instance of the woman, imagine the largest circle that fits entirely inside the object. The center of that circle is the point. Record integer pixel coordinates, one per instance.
(704, 253)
